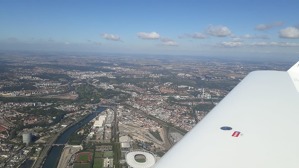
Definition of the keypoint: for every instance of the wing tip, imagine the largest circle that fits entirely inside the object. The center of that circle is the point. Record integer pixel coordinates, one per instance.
(294, 68)
(294, 74)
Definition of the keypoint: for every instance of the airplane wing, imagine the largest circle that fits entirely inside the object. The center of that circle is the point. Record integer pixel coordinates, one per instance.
(255, 126)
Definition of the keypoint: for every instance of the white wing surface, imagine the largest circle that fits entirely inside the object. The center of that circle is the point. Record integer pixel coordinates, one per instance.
(255, 126)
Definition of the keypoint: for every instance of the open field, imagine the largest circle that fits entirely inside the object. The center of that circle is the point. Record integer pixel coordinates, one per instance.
(98, 163)
(98, 154)
(108, 154)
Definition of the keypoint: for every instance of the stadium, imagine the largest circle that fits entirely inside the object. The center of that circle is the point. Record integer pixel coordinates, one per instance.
(140, 159)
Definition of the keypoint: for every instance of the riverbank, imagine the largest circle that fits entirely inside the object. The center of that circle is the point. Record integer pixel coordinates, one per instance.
(68, 154)
(50, 155)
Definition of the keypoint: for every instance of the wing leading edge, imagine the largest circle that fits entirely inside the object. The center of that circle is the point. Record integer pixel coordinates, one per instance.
(294, 74)
(255, 125)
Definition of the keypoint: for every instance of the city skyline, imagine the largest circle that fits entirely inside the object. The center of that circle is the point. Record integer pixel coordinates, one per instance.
(204, 28)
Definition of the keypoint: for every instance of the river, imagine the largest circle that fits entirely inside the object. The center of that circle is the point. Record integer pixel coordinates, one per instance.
(54, 154)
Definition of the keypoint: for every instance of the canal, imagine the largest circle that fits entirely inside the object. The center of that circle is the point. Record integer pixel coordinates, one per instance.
(53, 156)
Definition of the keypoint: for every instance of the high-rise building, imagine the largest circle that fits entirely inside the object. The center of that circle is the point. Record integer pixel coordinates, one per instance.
(27, 138)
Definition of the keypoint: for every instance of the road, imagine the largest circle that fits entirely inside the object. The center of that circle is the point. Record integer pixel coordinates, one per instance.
(67, 155)
(115, 139)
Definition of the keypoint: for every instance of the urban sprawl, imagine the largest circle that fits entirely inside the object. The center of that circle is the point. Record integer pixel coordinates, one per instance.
(149, 103)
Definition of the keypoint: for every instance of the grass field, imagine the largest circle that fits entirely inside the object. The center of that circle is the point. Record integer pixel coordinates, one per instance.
(98, 154)
(81, 165)
(98, 163)
(84, 157)
(108, 154)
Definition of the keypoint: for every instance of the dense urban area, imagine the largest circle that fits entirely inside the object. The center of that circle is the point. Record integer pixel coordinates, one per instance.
(145, 104)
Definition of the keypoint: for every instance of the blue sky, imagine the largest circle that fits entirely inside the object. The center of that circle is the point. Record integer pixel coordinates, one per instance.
(183, 27)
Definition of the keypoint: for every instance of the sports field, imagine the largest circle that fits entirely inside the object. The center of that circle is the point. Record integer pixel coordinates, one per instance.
(83, 157)
(81, 165)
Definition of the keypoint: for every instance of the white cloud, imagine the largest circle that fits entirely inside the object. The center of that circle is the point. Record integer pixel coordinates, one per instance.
(267, 26)
(151, 35)
(249, 36)
(198, 36)
(169, 42)
(246, 36)
(275, 44)
(231, 43)
(284, 44)
(289, 32)
(194, 36)
(259, 44)
(237, 39)
(112, 37)
(219, 31)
